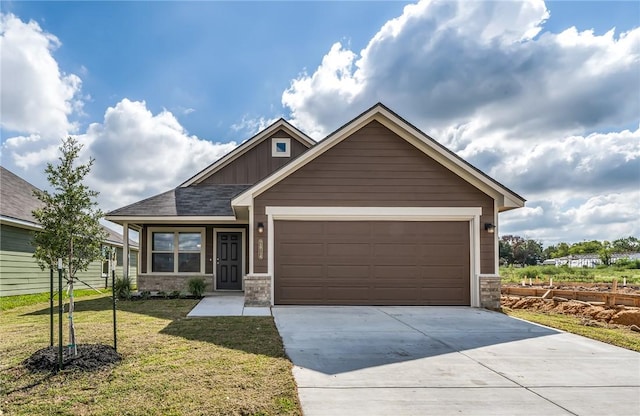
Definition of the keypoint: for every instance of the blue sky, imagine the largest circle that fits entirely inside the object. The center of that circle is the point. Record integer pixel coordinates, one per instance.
(487, 79)
(224, 60)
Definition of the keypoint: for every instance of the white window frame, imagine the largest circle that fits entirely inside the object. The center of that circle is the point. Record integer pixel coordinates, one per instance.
(274, 147)
(176, 249)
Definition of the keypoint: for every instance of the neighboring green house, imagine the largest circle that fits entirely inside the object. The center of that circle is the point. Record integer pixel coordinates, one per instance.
(19, 271)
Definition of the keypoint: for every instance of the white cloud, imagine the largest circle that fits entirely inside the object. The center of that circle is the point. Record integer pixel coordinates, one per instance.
(550, 115)
(252, 125)
(139, 154)
(582, 165)
(601, 217)
(37, 98)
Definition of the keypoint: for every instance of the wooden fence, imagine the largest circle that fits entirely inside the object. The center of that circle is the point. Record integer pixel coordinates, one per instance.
(608, 298)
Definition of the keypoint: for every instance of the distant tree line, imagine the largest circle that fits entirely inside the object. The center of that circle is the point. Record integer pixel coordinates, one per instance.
(517, 250)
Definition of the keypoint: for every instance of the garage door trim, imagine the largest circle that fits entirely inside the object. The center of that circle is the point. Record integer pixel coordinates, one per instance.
(469, 214)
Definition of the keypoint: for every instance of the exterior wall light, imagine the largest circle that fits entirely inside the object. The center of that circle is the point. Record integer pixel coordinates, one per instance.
(260, 228)
(490, 228)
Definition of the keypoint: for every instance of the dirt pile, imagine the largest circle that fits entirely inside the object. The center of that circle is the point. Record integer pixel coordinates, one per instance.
(90, 357)
(617, 315)
(581, 287)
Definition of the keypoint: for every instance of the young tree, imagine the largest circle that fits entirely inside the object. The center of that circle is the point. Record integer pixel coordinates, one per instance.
(70, 222)
(605, 253)
(506, 252)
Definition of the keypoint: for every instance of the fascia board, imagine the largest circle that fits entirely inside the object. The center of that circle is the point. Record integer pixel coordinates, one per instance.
(34, 227)
(14, 222)
(173, 219)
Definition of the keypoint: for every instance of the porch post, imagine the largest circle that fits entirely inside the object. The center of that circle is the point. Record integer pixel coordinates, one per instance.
(125, 250)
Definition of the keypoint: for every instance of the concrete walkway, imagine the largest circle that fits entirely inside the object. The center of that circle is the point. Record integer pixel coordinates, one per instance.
(450, 360)
(226, 304)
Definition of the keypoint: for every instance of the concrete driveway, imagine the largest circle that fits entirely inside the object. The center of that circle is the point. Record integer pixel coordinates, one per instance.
(450, 360)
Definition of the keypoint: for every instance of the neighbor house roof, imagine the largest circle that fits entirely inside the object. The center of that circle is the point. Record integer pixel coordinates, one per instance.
(17, 201)
(225, 160)
(16, 198)
(505, 198)
(195, 201)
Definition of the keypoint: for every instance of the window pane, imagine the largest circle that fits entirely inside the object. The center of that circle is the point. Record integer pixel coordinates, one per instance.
(162, 242)
(189, 242)
(189, 262)
(162, 262)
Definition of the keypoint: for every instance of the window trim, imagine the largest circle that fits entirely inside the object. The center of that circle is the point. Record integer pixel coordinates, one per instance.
(274, 147)
(176, 248)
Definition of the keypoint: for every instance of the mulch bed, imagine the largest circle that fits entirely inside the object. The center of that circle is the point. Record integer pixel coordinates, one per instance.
(90, 357)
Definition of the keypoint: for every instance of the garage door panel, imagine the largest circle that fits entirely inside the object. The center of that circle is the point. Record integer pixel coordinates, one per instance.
(395, 272)
(306, 270)
(335, 229)
(310, 295)
(395, 249)
(347, 271)
(372, 263)
(304, 248)
(354, 248)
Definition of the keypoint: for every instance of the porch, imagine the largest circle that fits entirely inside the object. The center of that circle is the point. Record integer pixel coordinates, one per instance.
(227, 304)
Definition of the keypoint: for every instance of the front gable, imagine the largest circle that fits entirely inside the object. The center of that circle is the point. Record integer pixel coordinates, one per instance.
(256, 158)
(504, 197)
(375, 167)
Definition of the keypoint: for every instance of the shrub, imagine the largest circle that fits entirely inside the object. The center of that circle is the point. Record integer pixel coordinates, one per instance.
(627, 264)
(175, 294)
(122, 288)
(145, 294)
(196, 286)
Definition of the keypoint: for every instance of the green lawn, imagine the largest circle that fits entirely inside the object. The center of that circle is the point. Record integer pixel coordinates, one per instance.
(172, 365)
(622, 337)
(570, 274)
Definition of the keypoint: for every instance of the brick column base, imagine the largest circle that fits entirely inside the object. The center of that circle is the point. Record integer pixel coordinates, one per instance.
(490, 291)
(257, 290)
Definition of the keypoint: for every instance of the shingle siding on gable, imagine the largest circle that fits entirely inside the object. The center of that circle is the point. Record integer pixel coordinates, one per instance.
(255, 164)
(375, 167)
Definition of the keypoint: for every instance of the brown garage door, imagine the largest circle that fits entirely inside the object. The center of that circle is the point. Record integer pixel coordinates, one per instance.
(371, 263)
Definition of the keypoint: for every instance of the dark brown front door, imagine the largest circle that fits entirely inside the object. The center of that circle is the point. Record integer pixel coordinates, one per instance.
(229, 261)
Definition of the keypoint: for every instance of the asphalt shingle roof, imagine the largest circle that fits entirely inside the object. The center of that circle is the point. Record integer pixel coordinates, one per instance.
(202, 200)
(16, 197)
(17, 201)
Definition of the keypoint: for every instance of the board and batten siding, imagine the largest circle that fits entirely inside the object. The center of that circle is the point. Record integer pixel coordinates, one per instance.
(21, 275)
(256, 164)
(375, 167)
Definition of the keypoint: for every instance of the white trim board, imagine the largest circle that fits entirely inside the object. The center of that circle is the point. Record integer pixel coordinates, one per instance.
(470, 214)
(174, 219)
(375, 213)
